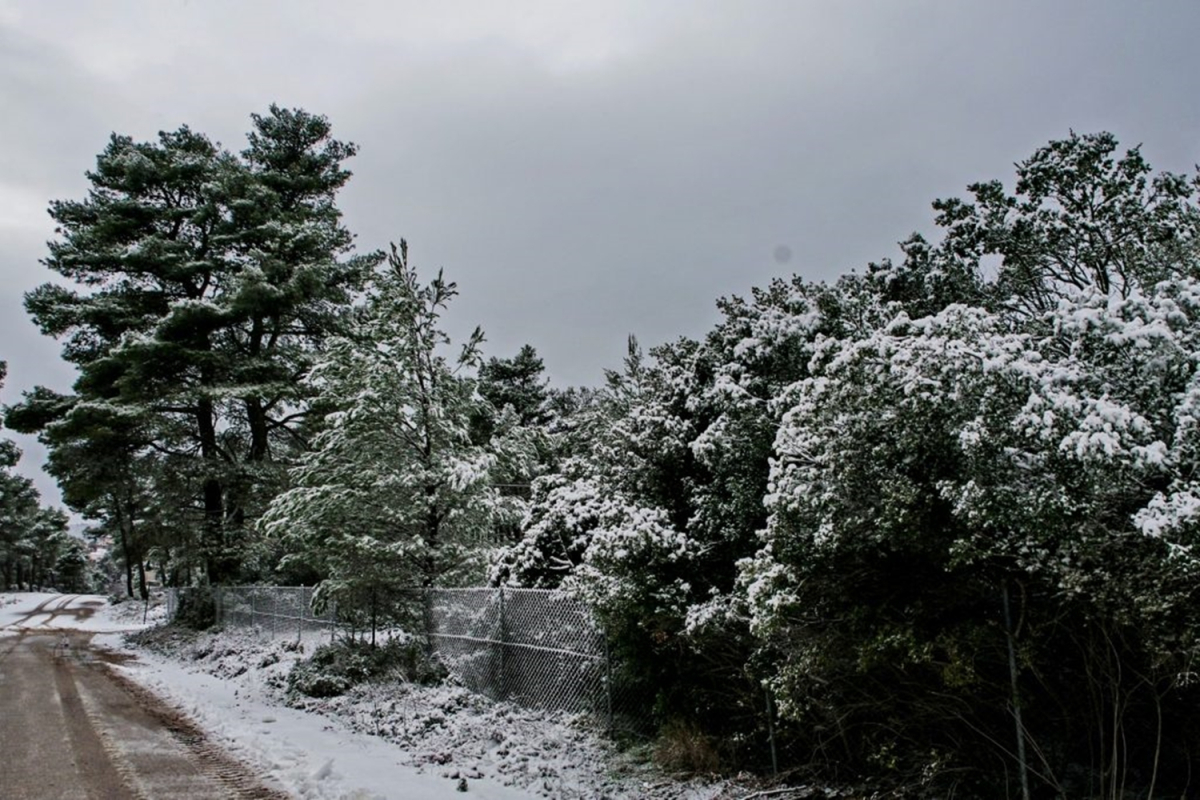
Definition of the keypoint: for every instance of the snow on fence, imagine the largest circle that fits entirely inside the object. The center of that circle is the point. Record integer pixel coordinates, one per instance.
(535, 647)
(273, 610)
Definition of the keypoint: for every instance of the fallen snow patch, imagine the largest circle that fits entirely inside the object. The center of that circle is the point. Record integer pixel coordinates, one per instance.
(438, 737)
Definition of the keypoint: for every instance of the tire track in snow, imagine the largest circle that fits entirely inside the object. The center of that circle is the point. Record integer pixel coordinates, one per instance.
(212, 760)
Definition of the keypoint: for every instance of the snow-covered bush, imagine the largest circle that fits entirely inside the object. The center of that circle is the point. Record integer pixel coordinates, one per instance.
(1030, 451)
(334, 668)
(395, 493)
(838, 493)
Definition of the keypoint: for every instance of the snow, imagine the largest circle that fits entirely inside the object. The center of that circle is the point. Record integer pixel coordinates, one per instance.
(390, 741)
(429, 737)
(303, 752)
(16, 607)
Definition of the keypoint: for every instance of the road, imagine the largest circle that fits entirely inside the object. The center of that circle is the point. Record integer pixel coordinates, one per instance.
(71, 727)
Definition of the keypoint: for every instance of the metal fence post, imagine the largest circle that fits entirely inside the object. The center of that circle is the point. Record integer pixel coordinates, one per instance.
(608, 686)
(771, 731)
(503, 688)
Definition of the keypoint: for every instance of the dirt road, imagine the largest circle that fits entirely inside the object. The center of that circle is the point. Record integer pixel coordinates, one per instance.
(72, 728)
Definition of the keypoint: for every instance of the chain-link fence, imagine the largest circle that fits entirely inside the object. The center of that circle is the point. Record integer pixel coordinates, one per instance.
(276, 610)
(534, 647)
(272, 610)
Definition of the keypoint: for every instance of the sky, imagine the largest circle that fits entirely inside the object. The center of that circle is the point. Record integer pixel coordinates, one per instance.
(587, 171)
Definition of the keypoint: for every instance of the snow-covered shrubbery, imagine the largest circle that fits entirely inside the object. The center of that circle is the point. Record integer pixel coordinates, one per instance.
(440, 728)
(854, 528)
(859, 496)
(334, 668)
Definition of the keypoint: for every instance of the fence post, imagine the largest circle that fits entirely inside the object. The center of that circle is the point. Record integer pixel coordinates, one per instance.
(427, 609)
(771, 731)
(503, 649)
(608, 687)
(300, 616)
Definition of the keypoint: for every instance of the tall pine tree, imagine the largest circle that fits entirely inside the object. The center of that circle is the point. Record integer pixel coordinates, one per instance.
(204, 283)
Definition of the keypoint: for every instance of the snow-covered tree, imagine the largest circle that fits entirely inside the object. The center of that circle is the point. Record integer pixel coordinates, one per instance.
(395, 494)
(1037, 445)
(203, 283)
(518, 382)
(840, 490)
(648, 519)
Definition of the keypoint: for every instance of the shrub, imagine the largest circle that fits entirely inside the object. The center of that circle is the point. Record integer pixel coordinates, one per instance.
(197, 609)
(683, 747)
(334, 668)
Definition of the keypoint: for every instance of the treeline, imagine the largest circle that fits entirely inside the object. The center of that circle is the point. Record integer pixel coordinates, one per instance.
(931, 526)
(36, 550)
(201, 286)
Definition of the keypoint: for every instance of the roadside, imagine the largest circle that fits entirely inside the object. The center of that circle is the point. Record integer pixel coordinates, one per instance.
(225, 708)
(377, 738)
(70, 728)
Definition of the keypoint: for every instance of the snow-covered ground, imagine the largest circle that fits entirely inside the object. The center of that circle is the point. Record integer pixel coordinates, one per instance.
(48, 610)
(395, 741)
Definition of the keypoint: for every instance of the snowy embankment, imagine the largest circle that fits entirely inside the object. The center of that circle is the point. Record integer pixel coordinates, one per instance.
(388, 740)
(395, 741)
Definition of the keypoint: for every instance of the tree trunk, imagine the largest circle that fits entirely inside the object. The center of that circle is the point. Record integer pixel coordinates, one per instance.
(126, 556)
(1022, 764)
(128, 577)
(143, 591)
(216, 560)
(256, 414)
(141, 555)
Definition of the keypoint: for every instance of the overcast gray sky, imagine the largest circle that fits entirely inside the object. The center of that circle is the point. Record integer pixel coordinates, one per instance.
(589, 170)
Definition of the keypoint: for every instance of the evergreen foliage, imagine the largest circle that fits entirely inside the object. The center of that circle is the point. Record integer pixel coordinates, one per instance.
(838, 492)
(204, 284)
(934, 525)
(34, 545)
(395, 493)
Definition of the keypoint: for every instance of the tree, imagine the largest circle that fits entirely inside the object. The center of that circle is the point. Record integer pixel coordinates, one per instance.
(839, 493)
(30, 535)
(517, 382)
(208, 281)
(662, 498)
(72, 568)
(101, 454)
(1036, 446)
(18, 518)
(1080, 218)
(395, 494)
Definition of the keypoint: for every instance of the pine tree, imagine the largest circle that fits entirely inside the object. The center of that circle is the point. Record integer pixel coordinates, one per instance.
(29, 533)
(518, 382)
(395, 493)
(207, 281)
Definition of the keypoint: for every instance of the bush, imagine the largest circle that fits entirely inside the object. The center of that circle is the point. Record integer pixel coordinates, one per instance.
(334, 668)
(683, 747)
(197, 608)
